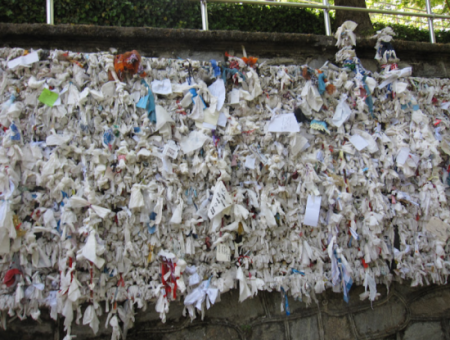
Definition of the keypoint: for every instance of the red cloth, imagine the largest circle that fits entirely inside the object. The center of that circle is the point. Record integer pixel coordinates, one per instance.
(9, 279)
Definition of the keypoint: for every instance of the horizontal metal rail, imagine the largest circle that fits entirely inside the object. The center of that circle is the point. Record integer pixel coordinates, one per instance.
(325, 6)
(331, 8)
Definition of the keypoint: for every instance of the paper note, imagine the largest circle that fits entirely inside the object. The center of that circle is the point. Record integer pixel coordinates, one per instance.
(312, 210)
(171, 151)
(250, 162)
(233, 97)
(222, 120)
(358, 142)
(298, 144)
(211, 117)
(64, 90)
(406, 196)
(194, 279)
(438, 228)
(162, 86)
(48, 97)
(259, 155)
(402, 155)
(217, 89)
(284, 123)
(209, 126)
(221, 200)
(445, 106)
(24, 60)
(162, 117)
(193, 142)
(223, 253)
(142, 103)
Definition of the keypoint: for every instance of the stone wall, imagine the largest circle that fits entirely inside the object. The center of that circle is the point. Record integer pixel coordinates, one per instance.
(402, 313)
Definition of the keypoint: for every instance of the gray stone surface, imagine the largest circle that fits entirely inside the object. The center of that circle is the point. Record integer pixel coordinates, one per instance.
(434, 304)
(381, 319)
(268, 330)
(403, 313)
(304, 328)
(424, 330)
(337, 328)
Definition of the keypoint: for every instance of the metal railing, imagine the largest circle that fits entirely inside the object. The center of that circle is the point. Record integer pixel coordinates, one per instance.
(325, 6)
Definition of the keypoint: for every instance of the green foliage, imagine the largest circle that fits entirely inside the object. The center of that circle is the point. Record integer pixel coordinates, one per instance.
(166, 14)
(254, 18)
(421, 4)
(186, 14)
(411, 33)
(247, 329)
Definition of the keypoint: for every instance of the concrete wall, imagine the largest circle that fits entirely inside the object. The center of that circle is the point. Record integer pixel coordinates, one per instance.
(427, 60)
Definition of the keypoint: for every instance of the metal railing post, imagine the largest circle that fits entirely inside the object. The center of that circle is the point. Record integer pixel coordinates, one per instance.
(326, 16)
(50, 18)
(430, 23)
(204, 9)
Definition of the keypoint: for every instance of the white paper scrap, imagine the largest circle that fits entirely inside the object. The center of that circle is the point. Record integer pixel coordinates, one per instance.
(438, 228)
(233, 97)
(24, 60)
(221, 200)
(402, 155)
(162, 86)
(209, 126)
(358, 142)
(250, 162)
(222, 120)
(193, 142)
(312, 211)
(217, 89)
(445, 106)
(223, 253)
(171, 151)
(284, 123)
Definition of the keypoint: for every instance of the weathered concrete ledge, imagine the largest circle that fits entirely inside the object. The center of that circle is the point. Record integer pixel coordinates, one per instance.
(428, 60)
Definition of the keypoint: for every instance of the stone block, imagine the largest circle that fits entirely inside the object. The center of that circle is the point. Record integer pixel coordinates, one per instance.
(304, 329)
(337, 328)
(268, 331)
(432, 304)
(424, 330)
(380, 319)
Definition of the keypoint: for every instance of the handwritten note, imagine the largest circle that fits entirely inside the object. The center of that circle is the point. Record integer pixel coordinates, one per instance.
(284, 123)
(221, 200)
(223, 253)
(171, 151)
